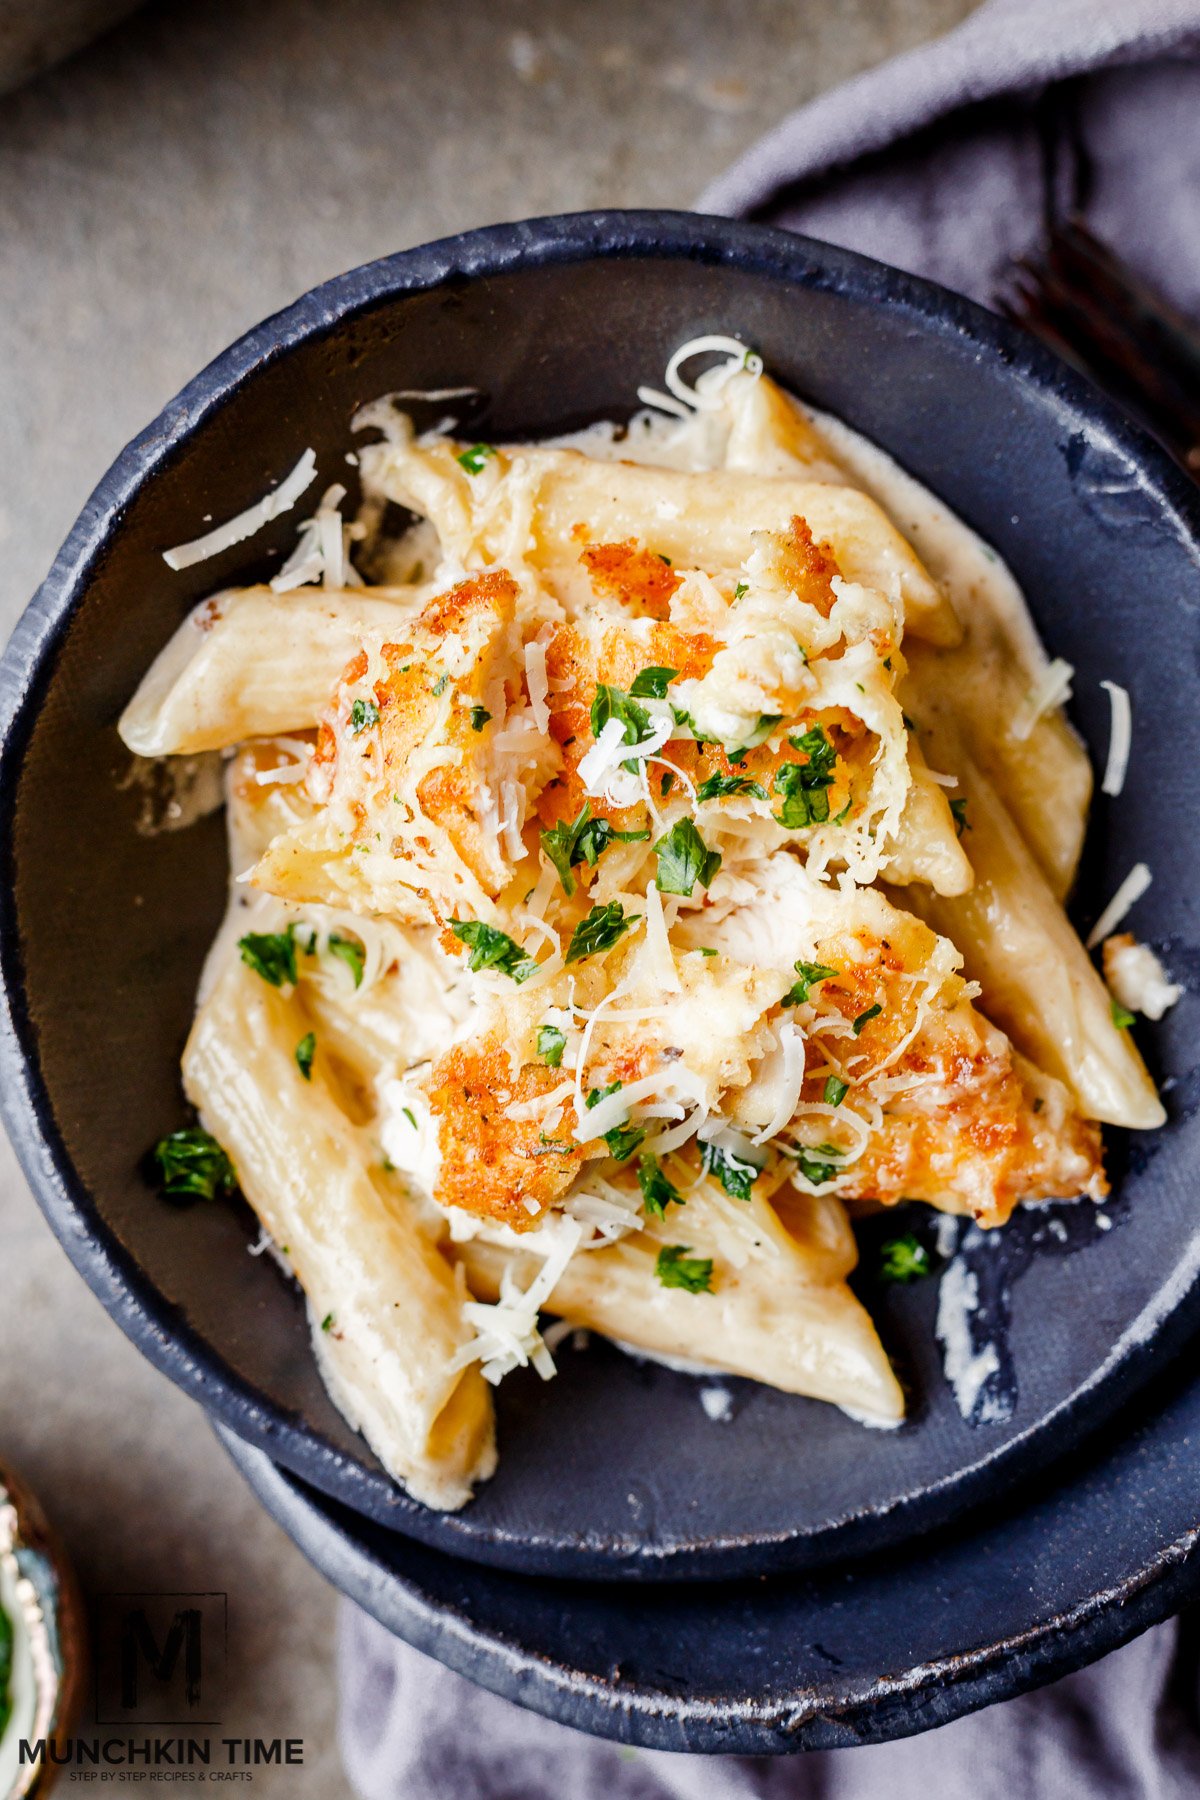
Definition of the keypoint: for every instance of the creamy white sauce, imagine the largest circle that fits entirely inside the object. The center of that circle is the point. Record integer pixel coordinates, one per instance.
(966, 1368)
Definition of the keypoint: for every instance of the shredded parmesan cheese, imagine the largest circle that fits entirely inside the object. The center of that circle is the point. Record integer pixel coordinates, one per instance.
(1126, 896)
(1053, 690)
(536, 680)
(1136, 979)
(1120, 738)
(506, 1332)
(245, 524)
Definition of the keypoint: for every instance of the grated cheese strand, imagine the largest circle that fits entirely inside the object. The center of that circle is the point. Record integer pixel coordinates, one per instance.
(1126, 896)
(245, 524)
(1120, 739)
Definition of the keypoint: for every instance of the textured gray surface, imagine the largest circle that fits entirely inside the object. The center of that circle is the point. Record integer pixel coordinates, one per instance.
(194, 170)
(34, 34)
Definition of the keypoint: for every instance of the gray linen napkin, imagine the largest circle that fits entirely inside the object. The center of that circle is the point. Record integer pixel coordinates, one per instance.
(942, 162)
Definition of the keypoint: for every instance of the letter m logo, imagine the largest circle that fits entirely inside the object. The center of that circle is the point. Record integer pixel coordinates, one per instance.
(139, 1648)
(160, 1658)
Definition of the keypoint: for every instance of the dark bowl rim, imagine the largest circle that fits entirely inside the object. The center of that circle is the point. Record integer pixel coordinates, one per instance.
(154, 1324)
(902, 1702)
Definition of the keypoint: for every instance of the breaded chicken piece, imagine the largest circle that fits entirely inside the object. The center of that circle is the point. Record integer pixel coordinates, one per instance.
(505, 1169)
(694, 1042)
(956, 1116)
(410, 787)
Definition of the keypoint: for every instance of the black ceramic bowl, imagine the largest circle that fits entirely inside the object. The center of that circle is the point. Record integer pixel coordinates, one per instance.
(821, 1660)
(613, 1469)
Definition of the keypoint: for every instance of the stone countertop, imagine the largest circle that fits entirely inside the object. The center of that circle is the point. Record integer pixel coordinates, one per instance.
(162, 191)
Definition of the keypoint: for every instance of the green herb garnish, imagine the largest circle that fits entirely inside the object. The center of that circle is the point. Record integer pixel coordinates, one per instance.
(904, 1259)
(304, 1052)
(743, 587)
(472, 460)
(271, 954)
(961, 821)
(651, 684)
(479, 717)
(657, 1191)
(351, 953)
(362, 714)
(667, 783)
(676, 1269)
(603, 927)
(192, 1165)
(551, 1043)
(719, 787)
(813, 1165)
(327, 1322)
(836, 1090)
(684, 859)
(802, 786)
(1122, 1018)
(623, 1139)
(736, 1177)
(810, 974)
(583, 840)
(615, 703)
(872, 1012)
(493, 949)
(439, 687)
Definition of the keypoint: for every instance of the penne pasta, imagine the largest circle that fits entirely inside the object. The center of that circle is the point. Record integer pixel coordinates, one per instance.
(779, 1309)
(1038, 981)
(387, 1314)
(544, 503)
(678, 865)
(253, 663)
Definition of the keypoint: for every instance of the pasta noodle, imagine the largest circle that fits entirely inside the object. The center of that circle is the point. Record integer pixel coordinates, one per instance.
(670, 864)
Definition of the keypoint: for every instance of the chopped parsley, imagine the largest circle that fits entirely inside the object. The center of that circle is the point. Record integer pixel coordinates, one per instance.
(271, 954)
(863, 1018)
(718, 787)
(362, 714)
(583, 840)
(603, 927)
(684, 859)
(662, 558)
(304, 1052)
(736, 1177)
(686, 722)
(551, 1043)
(472, 460)
(479, 717)
(657, 1191)
(1122, 1018)
(623, 1139)
(961, 821)
(327, 1322)
(813, 1164)
(615, 703)
(743, 587)
(835, 1090)
(810, 974)
(493, 949)
(676, 1269)
(651, 684)
(192, 1165)
(351, 953)
(668, 782)
(440, 685)
(802, 786)
(904, 1259)
(410, 1115)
